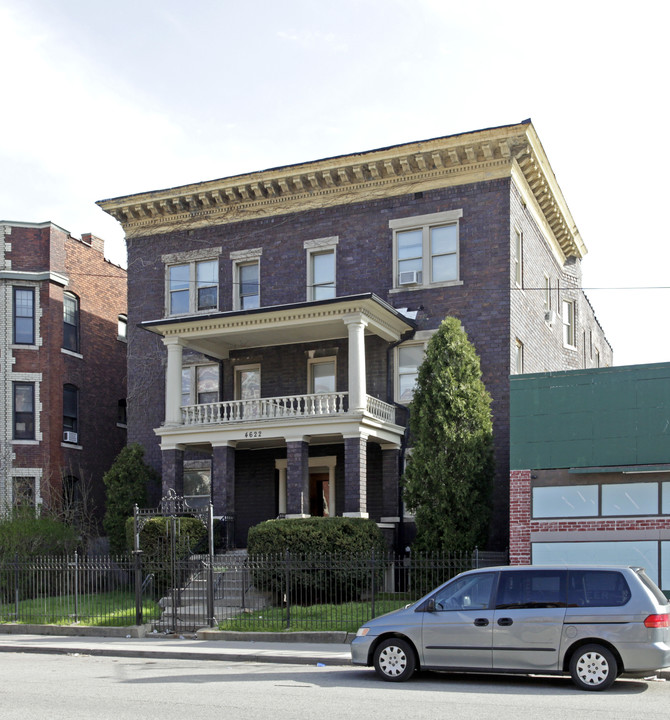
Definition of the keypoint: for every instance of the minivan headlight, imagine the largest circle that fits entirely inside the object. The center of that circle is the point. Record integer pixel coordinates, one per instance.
(362, 632)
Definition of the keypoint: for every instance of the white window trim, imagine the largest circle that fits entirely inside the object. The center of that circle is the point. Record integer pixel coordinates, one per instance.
(317, 247)
(425, 222)
(251, 256)
(518, 357)
(572, 346)
(311, 362)
(518, 257)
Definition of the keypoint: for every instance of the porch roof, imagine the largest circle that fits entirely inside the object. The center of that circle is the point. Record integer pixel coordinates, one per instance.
(216, 334)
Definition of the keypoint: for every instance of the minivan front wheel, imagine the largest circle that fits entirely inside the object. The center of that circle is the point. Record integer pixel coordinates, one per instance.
(394, 660)
(593, 667)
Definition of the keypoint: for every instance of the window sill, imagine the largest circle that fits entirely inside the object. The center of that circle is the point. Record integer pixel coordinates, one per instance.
(432, 286)
(27, 346)
(123, 426)
(71, 446)
(71, 353)
(25, 442)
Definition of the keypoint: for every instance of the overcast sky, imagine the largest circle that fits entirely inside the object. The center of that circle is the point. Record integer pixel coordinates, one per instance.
(107, 98)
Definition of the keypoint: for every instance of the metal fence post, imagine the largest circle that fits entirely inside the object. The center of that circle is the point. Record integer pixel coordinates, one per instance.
(137, 558)
(373, 584)
(288, 590)
(16, 587)
(210, 574)
(76, 586)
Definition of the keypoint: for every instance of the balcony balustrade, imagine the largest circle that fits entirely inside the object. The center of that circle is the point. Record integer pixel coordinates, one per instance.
(285, 407)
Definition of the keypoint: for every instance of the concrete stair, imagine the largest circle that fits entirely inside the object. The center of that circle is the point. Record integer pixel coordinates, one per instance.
(185, 609)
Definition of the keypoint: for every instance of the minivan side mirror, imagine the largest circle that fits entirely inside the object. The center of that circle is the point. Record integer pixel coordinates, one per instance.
(430, 605)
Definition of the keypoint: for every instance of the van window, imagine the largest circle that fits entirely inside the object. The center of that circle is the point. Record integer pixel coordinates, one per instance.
(531, 589)
(472, 592)
(597, 588)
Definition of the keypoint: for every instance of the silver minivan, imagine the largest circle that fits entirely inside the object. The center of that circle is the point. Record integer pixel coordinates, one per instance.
(594, 622)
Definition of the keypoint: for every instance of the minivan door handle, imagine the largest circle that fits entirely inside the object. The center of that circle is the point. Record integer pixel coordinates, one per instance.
(481, 622)
(505, 621)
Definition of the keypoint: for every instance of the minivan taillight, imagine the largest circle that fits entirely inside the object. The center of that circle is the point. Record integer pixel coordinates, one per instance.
(657, 621)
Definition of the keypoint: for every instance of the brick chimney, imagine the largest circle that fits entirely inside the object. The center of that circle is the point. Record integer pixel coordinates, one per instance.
(95, 242)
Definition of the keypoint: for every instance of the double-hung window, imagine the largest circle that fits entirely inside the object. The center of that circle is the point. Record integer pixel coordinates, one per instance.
(568, 317)
(426, 250)
(408, 359)
(321, 268)
(200, 385)
(193, 287)
(70, 414)
(518, 258)
(24, 411)
(322, 375)
(71, 322)
(24, 316)
(246, 278)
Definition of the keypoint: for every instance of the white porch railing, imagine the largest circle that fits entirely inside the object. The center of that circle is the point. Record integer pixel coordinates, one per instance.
(287, 406)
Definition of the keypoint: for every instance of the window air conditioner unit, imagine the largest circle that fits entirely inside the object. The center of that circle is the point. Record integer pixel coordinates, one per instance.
(70, 437)
(409, 277)
(550, 317)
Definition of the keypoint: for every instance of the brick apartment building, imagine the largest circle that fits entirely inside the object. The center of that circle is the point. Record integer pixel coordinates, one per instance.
(62, 365)
(590, 468)
(278, 318)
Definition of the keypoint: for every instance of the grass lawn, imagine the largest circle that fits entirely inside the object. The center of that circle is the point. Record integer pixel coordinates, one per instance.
(111, 609)
(347, 617)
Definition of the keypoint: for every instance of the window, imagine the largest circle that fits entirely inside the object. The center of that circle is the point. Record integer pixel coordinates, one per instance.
(568, 323)
(321, 280)
(518, 258)
(426, 249)
(193, 287)
(472, 592)
(565, 501)
(531, 589)
(518, 357)
(597, 588)
(70, 414)
(24, 411)
(122, 327)
(122, 412)
(547, 294)
(248, 285)
(197, 484)
(70, 322)
(23, 492)
(248, 382)
(630, 499)
(597, 358)
(200, 384)
(409, 358)
(322, 375)
(24, 316)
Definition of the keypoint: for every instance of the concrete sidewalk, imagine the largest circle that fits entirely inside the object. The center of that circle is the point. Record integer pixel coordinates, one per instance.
(300, 649)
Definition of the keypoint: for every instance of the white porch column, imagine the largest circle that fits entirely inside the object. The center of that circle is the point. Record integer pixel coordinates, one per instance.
(173, 382)
(356, 325)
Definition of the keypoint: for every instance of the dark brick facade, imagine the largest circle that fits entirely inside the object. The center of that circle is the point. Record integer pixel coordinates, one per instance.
(493, 310)
(48, 259)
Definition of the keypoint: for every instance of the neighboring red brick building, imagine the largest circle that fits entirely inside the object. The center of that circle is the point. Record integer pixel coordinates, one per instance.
(62, 365)
(590, 459)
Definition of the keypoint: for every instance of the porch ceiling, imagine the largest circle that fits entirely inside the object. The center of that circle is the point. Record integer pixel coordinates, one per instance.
(216, 334)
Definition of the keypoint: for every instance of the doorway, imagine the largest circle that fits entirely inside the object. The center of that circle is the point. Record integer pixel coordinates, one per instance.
(319, 494)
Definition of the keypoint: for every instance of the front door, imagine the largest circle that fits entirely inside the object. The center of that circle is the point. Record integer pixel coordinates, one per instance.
(318, 494)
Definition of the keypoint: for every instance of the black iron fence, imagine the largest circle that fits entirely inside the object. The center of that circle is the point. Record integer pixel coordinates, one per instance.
(233, 592)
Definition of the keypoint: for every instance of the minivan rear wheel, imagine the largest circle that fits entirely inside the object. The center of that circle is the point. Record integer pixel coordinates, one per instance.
(593, 667)
(394, 660)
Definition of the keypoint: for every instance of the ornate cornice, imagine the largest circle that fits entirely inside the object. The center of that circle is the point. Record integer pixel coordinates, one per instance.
(412, 167)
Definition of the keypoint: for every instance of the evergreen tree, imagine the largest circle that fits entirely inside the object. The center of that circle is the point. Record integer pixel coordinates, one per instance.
(449, 475)
(126, 483)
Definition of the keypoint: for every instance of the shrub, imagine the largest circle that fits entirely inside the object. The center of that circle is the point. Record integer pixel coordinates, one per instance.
(156, 539)
(28, 535)
(126, 483)
(337, 551)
